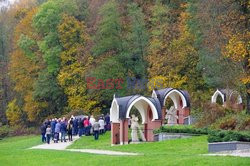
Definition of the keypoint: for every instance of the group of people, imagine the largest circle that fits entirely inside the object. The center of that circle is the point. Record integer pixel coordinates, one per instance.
(57, 129)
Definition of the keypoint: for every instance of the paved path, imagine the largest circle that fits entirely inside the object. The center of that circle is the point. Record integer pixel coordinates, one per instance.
(105, 152)
(237, 153)
(55, 146)
(64, 145)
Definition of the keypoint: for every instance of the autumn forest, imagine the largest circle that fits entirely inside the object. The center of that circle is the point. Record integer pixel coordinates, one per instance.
(51, 49)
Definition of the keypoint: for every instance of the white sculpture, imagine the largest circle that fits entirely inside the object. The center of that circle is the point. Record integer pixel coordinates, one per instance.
(135, 127)
(171, 116)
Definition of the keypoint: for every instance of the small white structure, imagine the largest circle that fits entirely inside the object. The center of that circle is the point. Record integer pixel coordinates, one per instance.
(224, 94)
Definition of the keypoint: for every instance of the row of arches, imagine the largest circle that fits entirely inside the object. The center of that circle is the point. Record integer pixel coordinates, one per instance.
(227, 96)
(151, 109)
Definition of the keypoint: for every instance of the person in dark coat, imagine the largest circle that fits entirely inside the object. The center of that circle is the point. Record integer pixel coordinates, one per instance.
(107, 122)
(53, 126)
(70, 129)
(43, 132)
(75, 126)
(63, 130)
(80, 127)
(57, 131)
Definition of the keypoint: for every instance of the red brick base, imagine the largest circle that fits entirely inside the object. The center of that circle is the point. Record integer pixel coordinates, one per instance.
(115, 133)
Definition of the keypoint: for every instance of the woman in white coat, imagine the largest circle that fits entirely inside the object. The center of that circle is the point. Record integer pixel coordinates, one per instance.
(102, 124)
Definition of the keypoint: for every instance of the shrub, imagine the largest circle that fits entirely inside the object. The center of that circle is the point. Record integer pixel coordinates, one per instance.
(226, 136)
(213, 135)
(239, 121)
(243, 123)
(6, 131)
(182, 129)
(211, 113)
(228, 122)
(13, 113)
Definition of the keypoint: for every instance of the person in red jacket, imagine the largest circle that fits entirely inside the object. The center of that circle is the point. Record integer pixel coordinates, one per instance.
(87, 126)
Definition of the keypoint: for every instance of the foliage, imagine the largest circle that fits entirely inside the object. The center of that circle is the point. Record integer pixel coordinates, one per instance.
(10, 131)
(108, 37)
(138, 42)
(213, 135)
(25, 64)
(14, 113)
(4, 131)
(49, 49)
(226, 123)
(226, 136)
(47, 90)
(159, 40)
(182, 129)
(233, 121)
(74, 64)
(211, 113)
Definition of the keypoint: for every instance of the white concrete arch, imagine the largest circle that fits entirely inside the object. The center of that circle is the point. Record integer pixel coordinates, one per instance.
(141, 104)
(239, 99)
(114, 111)
(175, 96)
(154, 95)
(215, 95)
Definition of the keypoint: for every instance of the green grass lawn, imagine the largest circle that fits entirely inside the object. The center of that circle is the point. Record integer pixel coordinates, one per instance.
(14, 151)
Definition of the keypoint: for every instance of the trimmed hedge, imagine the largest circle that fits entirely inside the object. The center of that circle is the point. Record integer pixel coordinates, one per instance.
(226, 136)
(182, 129)
(213, 135)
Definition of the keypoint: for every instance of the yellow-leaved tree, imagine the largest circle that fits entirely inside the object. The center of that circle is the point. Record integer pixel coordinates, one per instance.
(172, 60)
(75, 61)
(14, 113)
(25, 64)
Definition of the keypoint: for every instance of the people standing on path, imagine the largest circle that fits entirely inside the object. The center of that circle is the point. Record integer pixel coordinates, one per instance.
(102, 124)
(70, 128)
(96, 127)
(48, 134)
(57, 131)
(43, 132)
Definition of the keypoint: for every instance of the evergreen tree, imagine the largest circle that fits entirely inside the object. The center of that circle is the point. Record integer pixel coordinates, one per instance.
(138, 42)
(108, 39)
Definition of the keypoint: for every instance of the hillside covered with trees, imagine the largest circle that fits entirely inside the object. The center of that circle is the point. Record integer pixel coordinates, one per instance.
(50, 49)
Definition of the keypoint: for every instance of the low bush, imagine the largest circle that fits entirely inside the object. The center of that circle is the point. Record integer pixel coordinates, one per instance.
(211, 113)
(226, 136)
(182, 129)
(243, 123)
(233, 121)
(228, 122)
(213, 135)
(6, 131)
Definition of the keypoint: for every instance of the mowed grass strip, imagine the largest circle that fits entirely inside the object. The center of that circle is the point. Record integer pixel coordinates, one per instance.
(14, 151)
